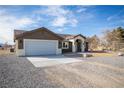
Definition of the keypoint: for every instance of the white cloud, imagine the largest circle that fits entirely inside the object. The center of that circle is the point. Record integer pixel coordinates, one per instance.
(115, 16)
(81, 10)
(61, 16)
(24, 21)
(60, 21)
(73, 22)
(110, 18)
(8, 23)
(60, 29)
(53, 11)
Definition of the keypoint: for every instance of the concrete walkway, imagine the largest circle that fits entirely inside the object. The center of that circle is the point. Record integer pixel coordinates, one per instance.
(45, 61)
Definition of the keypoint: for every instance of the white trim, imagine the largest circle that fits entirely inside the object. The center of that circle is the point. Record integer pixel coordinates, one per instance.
(19, 52)
(66, 43)
(38, 40)
(73, 45)
(58, 51)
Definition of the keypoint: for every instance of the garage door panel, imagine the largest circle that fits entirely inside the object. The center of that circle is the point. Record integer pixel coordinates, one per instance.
(40, 47)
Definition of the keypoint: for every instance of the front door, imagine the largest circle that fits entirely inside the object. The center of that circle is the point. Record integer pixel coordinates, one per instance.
(86, 46)
(78, 45)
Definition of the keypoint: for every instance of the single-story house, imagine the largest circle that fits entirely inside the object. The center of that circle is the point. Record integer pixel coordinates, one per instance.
(42, 41)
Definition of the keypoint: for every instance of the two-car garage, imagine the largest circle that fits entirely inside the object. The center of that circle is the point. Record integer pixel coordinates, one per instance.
(40, 41)
(40, 47)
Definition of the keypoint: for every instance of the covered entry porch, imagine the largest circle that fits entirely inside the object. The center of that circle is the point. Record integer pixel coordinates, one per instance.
(76, 44)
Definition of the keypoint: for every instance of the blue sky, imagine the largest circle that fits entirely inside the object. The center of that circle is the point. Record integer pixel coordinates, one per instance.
(86, 20)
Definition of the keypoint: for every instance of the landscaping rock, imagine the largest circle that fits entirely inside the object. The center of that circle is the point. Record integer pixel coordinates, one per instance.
(87, 55)
(120, 54)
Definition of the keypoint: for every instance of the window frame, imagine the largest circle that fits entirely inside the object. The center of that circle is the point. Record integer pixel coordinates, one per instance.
(59, 44)
(20, 44)
(66, 43)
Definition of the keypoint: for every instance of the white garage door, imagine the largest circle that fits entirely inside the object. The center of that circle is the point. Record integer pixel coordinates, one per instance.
(40, 47)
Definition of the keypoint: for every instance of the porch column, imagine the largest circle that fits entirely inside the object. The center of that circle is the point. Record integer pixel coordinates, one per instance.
(83, 47)
(73, 45)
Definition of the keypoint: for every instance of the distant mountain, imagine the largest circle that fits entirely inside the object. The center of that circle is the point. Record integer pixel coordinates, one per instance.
(1, 44)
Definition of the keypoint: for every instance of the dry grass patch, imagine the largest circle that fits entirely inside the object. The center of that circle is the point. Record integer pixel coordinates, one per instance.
(5, 52)
(103, 54)
(122, 50)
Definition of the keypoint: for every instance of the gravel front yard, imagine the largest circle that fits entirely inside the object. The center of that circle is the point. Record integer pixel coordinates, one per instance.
(91, 72)
(19, 72)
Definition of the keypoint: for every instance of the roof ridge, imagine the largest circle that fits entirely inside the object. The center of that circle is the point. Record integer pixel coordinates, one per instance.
(42, 28)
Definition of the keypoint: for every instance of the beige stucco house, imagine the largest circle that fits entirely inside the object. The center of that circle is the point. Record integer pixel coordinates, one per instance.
(42, 41)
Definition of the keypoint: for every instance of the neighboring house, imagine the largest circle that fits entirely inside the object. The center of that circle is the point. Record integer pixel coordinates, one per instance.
(42, 41)
(5, 46)
(0, 47)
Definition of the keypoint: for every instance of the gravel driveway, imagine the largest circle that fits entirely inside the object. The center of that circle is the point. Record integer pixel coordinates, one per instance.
(91, 72)
(19, 72)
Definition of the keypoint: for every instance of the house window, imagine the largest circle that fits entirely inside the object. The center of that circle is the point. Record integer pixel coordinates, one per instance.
(59, 44)
(65, 45)
(20, 44)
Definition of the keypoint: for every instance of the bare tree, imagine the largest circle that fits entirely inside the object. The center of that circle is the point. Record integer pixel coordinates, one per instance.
(114, 37)
(94, 42)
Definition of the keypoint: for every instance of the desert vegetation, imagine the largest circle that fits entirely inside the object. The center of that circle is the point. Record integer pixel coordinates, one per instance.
(111, 40)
